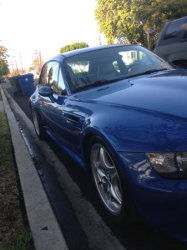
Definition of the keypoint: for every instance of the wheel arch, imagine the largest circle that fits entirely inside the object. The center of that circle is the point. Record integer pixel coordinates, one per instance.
(86, 141)
(85, 146)
(34, 106)
(133, 214)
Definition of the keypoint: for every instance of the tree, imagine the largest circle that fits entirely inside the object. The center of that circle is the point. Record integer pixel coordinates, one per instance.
(50, 75)
(73, 46)
(15, 72)
(37, 63)
(4, 70)
(136, 20)
(115, 19)
(154, 14)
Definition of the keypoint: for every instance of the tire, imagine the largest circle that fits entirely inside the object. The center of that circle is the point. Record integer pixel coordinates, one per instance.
(37, 125)
(110, 184)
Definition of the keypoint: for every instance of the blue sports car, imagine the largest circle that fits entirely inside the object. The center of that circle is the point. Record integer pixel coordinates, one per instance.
(121, 112)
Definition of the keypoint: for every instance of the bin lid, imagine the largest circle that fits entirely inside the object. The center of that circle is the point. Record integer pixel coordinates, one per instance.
(26, 75)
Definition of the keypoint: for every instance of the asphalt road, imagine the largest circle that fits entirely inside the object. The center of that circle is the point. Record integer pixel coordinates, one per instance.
(77, 222)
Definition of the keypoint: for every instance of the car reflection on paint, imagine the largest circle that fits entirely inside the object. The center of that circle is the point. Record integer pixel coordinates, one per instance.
(120, 112)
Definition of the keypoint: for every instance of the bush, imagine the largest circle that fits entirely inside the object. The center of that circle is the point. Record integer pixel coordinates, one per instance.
(73, 46)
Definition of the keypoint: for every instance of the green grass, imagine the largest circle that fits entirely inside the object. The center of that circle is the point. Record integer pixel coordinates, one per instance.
(20, 242)
(14, 231)
(5, 144)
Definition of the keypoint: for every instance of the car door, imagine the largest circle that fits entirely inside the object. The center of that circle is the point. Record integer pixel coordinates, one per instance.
(68, 119)
(49, 77)
(62, 117)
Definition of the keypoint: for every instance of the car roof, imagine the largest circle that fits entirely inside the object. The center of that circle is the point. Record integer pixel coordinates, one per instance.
(79, 51)
(162, 41)
(178, 19)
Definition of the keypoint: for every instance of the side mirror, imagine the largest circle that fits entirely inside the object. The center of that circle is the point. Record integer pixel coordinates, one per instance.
(45, 91)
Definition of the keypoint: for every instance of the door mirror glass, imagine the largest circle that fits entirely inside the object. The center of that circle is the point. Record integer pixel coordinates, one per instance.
(45, 91)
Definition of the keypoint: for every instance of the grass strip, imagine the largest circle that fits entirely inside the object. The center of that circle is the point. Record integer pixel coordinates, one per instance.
(14, 230)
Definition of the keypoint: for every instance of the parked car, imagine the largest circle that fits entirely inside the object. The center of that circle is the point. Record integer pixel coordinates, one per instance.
(172, 42)
(2, 80)
(120, 112)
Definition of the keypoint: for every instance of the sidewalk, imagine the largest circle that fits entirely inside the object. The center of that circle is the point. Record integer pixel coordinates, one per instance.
(44, 227)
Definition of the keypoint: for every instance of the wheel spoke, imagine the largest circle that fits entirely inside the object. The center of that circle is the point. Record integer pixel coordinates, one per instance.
(113, 174)
(108, 193)
(105, 188)
(103, 159)
(100, 174)
(114, 195)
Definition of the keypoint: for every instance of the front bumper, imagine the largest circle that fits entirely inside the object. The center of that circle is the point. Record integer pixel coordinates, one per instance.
(161, 201)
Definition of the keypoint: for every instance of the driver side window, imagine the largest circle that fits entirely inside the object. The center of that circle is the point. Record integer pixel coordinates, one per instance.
(61, 86)
(43, 76)
(51, 76)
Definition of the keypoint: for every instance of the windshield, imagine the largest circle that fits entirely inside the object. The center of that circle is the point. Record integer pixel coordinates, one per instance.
(97, 67)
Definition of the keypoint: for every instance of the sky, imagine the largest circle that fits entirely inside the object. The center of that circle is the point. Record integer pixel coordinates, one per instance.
(29, 26)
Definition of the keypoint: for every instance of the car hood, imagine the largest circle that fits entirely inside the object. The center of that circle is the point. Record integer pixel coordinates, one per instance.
(142, 114)
(164, 93)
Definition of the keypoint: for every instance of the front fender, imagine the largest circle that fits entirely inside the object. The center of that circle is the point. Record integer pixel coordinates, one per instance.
(133, 130)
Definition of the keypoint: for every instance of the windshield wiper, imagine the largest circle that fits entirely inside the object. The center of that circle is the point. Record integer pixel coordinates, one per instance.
(152, 71)
(103, 82)
(147, 72)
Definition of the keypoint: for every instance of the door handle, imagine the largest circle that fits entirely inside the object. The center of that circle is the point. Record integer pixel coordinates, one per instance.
(72, 119)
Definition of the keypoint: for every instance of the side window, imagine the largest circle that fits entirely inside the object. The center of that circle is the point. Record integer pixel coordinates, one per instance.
(52, 76)
(61, 90)
(184, 27)
(43, 76)
(173, 29)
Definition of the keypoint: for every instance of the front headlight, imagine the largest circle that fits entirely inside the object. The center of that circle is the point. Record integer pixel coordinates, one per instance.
(169, 164)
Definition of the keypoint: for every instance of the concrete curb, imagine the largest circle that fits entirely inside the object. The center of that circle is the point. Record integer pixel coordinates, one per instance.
(44, 227)
(1, 106)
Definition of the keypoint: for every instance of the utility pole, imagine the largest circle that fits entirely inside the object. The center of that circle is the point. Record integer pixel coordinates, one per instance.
(16, 65)
(39, 59)
(36, 53)
(12, 66)
(21, 61)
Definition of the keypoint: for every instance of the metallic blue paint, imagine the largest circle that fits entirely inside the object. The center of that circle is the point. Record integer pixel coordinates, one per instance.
(73, 154)
(45, 91)
(133, 116)
(162, 202)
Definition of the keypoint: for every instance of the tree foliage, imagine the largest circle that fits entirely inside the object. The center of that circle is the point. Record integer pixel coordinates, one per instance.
(135, 19)
(4, 70)
(73, 46)
(37, 63)
(16, 72)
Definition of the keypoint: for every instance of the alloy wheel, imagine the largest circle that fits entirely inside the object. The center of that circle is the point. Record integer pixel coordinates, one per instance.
(106, 178)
